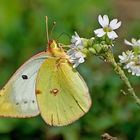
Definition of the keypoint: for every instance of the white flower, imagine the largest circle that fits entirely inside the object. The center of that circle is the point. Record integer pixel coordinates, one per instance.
(133, 68)
(131, 62)
(107, 28)
(133, 43)
(76, 41)
(75, 53)
(126, 56)
(76, 57)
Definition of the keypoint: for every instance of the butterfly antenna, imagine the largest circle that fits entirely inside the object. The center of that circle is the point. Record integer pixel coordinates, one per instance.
(53, 27)
(47, 32)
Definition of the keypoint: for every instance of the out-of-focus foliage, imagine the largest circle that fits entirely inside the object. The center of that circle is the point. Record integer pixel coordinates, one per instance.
(23, 34)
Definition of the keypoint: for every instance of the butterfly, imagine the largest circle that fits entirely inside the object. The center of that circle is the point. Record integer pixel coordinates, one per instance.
(48, 85)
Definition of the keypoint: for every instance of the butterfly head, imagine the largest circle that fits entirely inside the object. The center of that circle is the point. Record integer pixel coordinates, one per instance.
(52, 44)
(55, 49)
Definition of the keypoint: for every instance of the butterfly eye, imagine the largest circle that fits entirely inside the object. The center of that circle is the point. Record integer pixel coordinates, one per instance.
(24, 77)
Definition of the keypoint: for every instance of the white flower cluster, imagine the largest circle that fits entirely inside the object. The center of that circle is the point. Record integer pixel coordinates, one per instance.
(107, 27)
(75, 53)
(130, 59)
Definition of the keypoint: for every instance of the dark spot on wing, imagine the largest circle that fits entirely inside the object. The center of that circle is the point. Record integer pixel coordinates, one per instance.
(54, 91)
(33, 101)
(25, 102)
(17, 103)
(24, 77)
(38, 91)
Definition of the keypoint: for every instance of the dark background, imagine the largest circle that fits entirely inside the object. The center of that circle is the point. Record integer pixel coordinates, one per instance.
(23, 34)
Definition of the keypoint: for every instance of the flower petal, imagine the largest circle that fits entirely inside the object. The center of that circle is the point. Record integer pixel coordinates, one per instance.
(137, 74)
(138, 41)
(101, 21)
(76, 63)
(81, 60)
(133, 40)
(106, 20)
(112, 35)
(128, 43)
(76, 41)
(78, 55)
(99, 32)
(121, 57)
(114, 25)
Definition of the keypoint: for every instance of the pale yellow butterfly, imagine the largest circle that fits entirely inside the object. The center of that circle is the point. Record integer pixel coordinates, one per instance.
(46, 84)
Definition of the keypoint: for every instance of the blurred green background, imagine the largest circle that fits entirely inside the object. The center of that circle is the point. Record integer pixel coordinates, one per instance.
(23, 34)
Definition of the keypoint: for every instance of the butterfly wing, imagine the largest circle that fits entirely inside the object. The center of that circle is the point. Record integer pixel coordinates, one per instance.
(62, 94)
(17, 98)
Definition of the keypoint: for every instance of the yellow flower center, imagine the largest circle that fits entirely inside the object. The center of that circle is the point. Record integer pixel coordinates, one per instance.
(107, 29)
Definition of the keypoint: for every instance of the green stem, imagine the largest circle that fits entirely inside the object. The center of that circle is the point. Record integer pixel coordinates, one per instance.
(110, 58)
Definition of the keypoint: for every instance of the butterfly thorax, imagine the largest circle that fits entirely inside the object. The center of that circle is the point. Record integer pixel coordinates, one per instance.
(56, 50)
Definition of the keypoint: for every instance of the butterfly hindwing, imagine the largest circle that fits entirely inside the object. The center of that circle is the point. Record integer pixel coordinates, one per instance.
(17, 98)
(62, 94)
